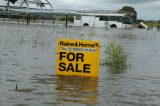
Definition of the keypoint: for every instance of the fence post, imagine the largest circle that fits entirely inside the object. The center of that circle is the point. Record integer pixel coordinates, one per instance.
(66, 21)
(53, 20)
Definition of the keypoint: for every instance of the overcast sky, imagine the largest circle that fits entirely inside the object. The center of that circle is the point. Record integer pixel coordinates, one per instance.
(147, 9)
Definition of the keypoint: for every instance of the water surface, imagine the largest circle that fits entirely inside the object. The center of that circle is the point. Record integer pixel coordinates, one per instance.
(27, 62)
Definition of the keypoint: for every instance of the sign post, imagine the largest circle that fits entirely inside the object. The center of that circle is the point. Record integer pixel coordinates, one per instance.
(78, 57)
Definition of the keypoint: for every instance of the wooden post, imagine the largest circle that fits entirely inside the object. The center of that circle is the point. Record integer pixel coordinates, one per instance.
(18, 18)
(28, 19)
(57, 21)
(4, 17)
(66, 21)
(53, 20)
(23, 19)
(42, 20)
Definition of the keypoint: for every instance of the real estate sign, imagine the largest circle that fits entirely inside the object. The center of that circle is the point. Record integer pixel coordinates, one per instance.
(78, 57)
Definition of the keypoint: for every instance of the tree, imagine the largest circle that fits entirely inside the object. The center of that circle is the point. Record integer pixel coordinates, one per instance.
(130, 11)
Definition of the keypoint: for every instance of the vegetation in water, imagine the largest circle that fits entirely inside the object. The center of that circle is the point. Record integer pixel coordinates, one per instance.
(153, 23)
(116, 56)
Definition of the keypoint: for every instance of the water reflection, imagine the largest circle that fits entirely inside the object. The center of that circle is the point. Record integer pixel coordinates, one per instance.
(77, 89)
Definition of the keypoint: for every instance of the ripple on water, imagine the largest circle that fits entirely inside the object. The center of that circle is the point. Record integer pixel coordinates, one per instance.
(12, 80)
(5, 54)
(26, 90)
(21, 105)
(131, 103)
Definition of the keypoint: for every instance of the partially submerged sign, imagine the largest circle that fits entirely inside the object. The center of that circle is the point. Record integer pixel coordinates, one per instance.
(78, 57)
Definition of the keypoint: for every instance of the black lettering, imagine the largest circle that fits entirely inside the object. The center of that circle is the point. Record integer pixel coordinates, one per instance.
(61, 43)
(70, 56)
(70, 67)
(62, 66)
(77, 68)
(80, 56)
(86, 68)
(96, 44)
(80, 44)
(62, 55)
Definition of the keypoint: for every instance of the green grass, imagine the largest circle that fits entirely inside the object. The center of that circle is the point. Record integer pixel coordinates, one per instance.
(153, 24)
(116, 56)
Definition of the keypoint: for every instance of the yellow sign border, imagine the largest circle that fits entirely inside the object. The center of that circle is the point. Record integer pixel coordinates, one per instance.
(78, 57)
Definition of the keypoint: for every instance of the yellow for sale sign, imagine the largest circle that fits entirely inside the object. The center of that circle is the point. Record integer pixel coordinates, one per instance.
(78, 57)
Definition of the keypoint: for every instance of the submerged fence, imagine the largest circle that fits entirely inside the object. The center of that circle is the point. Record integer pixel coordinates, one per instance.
(36, 16)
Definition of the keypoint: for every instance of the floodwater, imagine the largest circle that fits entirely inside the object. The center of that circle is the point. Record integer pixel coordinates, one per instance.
(28, 60)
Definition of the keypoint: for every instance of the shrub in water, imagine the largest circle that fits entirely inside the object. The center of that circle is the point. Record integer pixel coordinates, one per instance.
(116, 56)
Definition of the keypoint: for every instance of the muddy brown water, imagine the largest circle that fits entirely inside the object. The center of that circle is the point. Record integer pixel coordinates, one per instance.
(27, 62)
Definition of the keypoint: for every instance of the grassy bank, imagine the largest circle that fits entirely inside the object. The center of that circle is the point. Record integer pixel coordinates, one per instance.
(153, 24)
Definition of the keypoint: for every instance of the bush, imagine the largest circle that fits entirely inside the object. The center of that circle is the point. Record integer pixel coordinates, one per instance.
(116, 56)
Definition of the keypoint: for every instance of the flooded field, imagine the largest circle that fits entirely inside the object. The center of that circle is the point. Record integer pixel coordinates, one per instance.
(28, 60)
